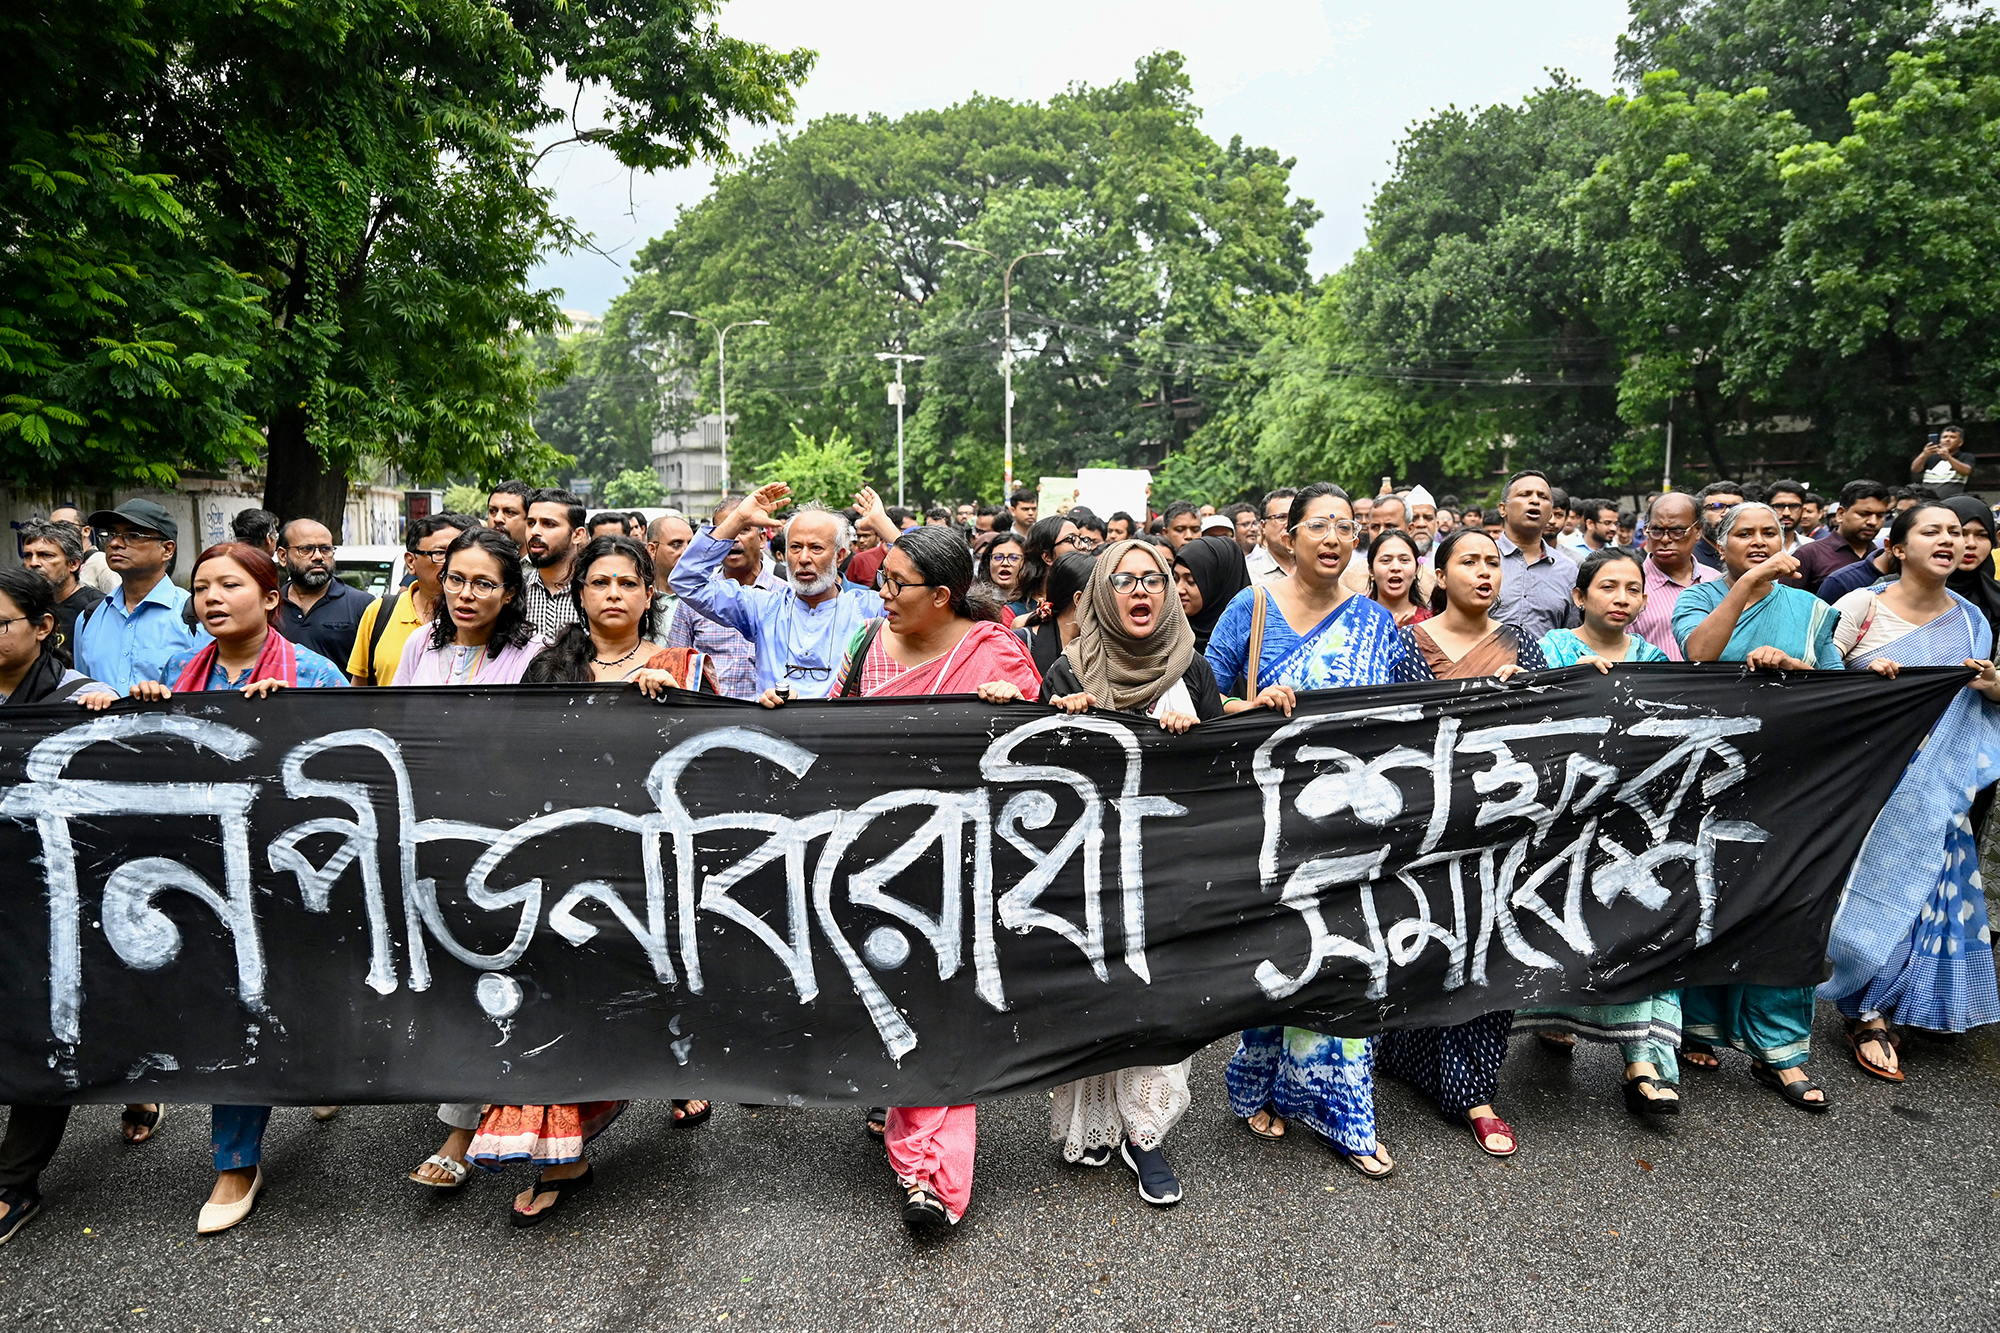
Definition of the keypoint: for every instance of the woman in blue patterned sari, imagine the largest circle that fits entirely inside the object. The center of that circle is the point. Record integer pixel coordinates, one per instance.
(1747, 616)
(1911, 938)
(1306, 632)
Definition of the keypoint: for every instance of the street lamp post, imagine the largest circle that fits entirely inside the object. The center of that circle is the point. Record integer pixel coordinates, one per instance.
(1006, 352)
(896, 397)
(722, 374)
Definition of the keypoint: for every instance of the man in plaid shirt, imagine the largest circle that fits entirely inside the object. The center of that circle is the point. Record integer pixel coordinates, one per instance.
(733, 657)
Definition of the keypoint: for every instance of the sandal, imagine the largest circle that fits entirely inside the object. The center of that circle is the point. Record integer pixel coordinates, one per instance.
(686, 1119)
(457, 1170)
(1795, 1093)
(1484, 1125)
(1638, 1102)
(876, 1123)
(1272, 1122)
(924, 1211)
(1861, 1037)
(1366, 1164)
(1556, 1045)
(146, 1120)
(1699, 1054)
(562, 1189)
(21, 1209)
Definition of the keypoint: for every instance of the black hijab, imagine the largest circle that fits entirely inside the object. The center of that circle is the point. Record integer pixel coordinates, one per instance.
(42, 680)
(1977, 586)
(1219, 570)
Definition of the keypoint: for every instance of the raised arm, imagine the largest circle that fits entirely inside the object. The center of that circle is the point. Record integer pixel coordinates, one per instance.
(874, 518)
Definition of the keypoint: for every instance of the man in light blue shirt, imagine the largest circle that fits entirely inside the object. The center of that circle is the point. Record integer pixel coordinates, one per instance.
(801, 630)
(135, 632)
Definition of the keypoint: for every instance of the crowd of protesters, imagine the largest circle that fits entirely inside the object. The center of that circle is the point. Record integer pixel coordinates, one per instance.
(1183, 616)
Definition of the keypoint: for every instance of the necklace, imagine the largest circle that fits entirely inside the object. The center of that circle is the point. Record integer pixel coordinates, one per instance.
(628, 657)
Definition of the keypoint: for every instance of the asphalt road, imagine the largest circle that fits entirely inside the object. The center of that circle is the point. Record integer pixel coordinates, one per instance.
(1745, 1214)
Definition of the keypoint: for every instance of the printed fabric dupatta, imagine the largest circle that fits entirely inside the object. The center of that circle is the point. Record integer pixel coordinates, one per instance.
(276, 661)
(1908, 931)
(1330, 654)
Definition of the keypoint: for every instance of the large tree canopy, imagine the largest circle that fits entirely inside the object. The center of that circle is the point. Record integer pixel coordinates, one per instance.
(366, 164)
(1176, 250)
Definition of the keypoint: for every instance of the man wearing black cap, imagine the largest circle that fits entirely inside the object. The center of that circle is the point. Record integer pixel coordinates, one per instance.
(132, 634)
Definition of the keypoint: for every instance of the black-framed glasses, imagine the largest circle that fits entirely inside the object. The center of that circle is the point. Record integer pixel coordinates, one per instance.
(1152, 581)
(480, 587)
(311, 550)
(435, 557)
(8, 622)
(1717, 506)
(793, 671)
(1277, 518)
(1667, 534)
(893, 586)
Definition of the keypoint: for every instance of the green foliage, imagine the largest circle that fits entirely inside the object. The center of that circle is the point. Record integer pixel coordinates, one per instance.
(603, 411)
(826, 472)
(1176, 247)
(635, 488)
(367, 163)
(466, 499)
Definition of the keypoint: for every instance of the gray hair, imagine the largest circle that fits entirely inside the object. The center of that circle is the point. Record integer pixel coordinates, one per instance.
(68, 537)
(1734, 515)
(843, 530)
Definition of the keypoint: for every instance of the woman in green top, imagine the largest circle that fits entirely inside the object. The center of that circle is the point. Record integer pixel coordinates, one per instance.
(1610, 592)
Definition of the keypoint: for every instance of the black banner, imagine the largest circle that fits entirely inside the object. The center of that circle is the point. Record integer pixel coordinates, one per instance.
(540, 894)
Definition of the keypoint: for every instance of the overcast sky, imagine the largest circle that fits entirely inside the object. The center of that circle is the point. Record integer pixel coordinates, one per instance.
(1333, 84)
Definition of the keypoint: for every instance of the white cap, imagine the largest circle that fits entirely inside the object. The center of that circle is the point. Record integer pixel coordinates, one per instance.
(1419, 496)
(1217, 523)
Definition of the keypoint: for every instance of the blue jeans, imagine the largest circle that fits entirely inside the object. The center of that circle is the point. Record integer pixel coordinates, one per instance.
(236, 1135)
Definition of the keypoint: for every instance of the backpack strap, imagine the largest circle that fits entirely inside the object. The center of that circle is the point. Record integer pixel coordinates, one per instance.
(850, 687)
(385, 611)
(1258, 600)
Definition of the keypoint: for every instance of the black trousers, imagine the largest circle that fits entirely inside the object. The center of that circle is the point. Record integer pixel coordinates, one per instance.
(33, 1134)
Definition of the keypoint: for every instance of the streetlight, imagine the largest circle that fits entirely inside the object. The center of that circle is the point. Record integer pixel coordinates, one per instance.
(722, 374)
(896, 397)
(1006, 353)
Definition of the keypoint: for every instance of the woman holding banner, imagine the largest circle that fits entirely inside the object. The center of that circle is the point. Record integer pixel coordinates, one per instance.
(938, 634)
(235, 597)
(1306, 632)
(1748, 616)
(1458, 1067)
(1910, 939)
(612, 586)
(1133, 651)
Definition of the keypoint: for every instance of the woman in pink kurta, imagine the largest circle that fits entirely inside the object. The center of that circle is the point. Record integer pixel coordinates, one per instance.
(937, 635)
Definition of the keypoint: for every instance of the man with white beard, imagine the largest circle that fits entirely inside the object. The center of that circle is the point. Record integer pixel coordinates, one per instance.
(800, 631)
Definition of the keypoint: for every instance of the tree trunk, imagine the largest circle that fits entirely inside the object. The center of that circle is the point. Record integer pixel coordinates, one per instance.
(297, 481)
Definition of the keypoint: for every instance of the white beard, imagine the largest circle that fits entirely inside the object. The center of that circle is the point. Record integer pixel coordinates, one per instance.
(817, 586)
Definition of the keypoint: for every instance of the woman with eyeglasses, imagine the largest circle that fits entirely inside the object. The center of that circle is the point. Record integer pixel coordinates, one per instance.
(1048, 541)
(480, 635)
(1458, 1067)
(1750, 616)
(1306, 632)
(484, 636)
(1003, 562)
(939, 633)
(235, 597)
(1134, 651)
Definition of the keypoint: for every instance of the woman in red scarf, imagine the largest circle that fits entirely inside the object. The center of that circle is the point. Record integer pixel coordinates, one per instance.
(236, 598)
(937, 634)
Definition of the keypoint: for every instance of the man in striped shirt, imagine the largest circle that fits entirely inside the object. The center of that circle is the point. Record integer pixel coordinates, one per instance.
(1673, 525)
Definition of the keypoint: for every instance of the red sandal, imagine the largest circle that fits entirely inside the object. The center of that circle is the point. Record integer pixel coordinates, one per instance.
(1484, 1125)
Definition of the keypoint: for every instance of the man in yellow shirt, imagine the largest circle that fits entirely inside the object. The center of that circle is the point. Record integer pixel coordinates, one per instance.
(378, 645)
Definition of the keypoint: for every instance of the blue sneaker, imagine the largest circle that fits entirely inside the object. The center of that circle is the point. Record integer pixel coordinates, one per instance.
(1095, 1156)
(1158, 1185)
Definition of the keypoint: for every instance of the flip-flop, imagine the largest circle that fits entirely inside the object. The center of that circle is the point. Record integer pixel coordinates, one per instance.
(1857, 1038)
(457, 1170)
(1355, 1161)
(1699, 1055)
(686, 1119)
(1553, 1046)
(876, 1123)
(562, 1189)
(1265, 1134)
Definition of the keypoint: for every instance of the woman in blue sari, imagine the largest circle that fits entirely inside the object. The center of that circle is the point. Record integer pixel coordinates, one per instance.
(1748, 616)
(1306, 632)
(1910, 938)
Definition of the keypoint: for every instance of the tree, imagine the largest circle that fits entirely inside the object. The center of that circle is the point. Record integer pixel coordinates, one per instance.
(826, 472)
(1175, 246)
(635, 488)
(368, 163)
